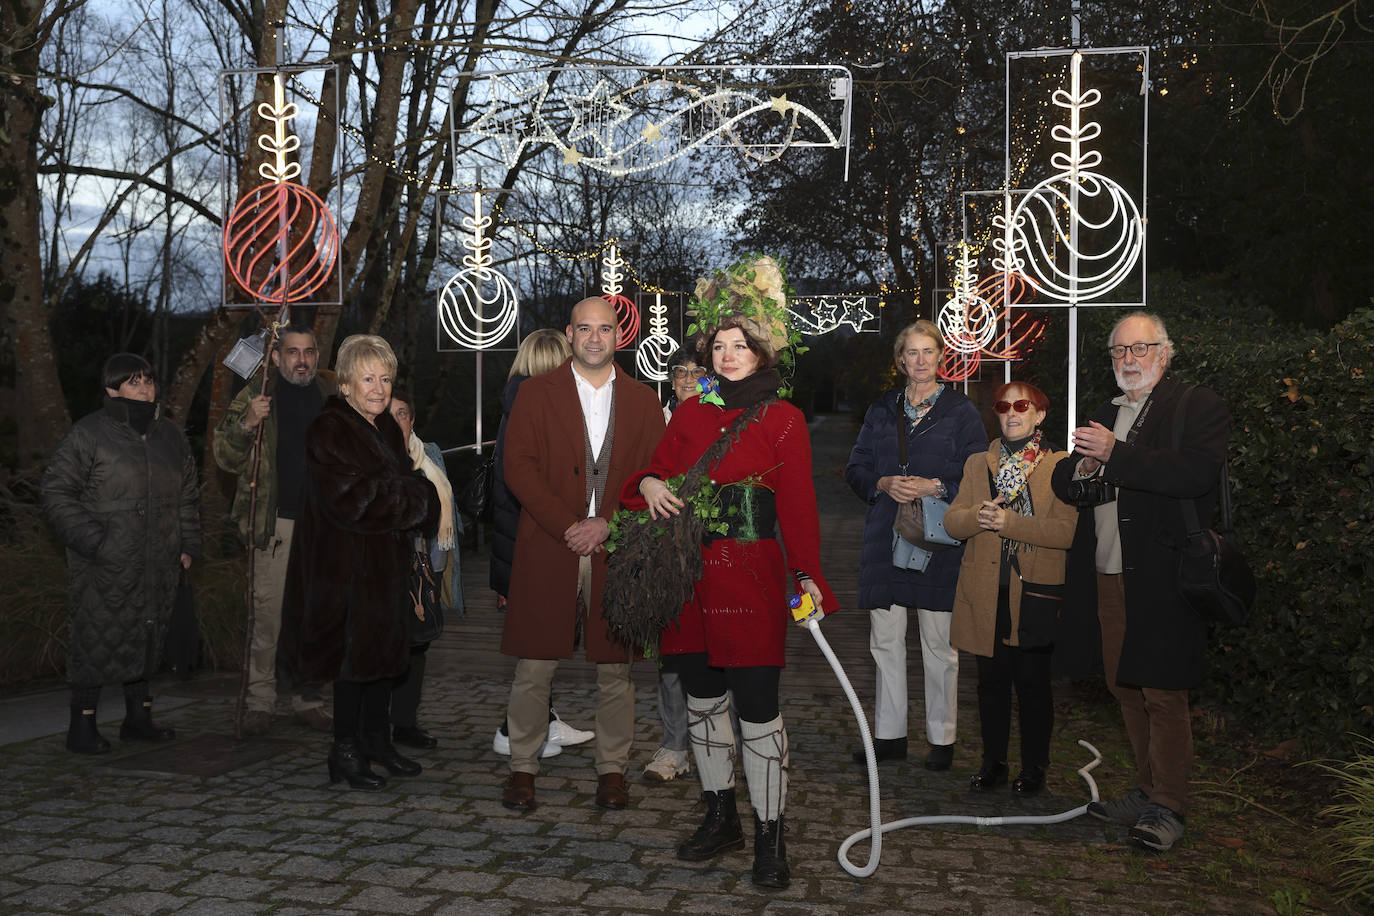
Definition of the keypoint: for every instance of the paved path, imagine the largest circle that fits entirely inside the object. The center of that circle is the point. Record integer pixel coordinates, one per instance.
(266, 832)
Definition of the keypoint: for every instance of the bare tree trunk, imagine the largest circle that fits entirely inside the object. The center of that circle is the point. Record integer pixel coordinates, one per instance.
(38, 404)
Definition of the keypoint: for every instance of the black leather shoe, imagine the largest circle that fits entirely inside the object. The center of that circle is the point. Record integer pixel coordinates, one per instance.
(414, 736)
(883, 749)
(1029, 781)
(940, 757)
(990, 776)
(719, 832)
(345, 762)
(377, 749)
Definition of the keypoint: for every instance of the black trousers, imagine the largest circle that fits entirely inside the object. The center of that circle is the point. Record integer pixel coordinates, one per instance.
(405, 696)
(1029, 671)
(755, 689)
(362, 705)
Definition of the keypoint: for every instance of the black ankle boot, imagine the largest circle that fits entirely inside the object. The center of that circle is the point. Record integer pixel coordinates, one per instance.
(138, 721)
(989, 777)
(82, 735)
(377, 747)
(770, 854)
(1029, 780)
(346, 762)
(720, 830)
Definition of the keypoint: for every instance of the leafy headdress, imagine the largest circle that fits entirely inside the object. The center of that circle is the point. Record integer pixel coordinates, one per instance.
(753, 294)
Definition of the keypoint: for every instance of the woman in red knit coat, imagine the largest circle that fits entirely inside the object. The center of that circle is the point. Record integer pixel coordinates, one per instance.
(731, 633)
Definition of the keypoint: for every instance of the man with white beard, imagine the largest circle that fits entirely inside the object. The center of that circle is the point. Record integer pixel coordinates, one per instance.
(1130, 482)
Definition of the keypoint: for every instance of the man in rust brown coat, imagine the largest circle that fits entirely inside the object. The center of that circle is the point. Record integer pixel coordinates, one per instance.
(573, 437)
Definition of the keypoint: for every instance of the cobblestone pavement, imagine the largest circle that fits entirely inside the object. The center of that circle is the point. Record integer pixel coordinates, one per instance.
(122, 834)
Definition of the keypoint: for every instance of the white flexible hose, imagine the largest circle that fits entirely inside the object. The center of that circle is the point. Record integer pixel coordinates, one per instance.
(876, 831)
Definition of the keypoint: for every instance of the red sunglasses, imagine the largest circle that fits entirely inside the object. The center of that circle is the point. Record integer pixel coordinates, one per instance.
(1020, 406)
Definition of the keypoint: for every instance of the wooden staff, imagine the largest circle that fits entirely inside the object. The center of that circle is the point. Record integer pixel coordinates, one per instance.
(273, 329)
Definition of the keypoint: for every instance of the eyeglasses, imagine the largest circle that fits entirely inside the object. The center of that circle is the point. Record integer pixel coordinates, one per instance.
(1137, 349)
(1020, 406)
(682, 372)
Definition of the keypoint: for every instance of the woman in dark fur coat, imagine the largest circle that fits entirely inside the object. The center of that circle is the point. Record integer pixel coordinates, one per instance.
(344, 617)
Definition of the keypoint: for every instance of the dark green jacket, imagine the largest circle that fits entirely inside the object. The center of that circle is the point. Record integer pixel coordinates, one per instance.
(233, 447)
(126, 507)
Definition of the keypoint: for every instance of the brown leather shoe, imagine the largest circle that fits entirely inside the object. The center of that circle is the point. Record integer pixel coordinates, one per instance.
(611, 792)
(519, 793)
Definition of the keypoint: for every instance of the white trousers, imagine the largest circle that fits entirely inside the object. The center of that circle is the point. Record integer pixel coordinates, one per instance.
(939, 660)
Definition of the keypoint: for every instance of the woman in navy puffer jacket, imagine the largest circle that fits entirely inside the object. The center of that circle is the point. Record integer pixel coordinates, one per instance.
(942, 428)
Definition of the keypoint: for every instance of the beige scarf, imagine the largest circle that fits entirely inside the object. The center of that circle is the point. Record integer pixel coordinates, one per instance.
(425, 465)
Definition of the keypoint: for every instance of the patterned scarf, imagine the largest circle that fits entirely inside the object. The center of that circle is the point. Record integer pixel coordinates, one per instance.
(1013, 468)
(917, 412)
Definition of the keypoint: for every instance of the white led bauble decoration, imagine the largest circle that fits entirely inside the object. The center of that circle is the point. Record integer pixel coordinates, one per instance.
(469, 315)
(967, 322)
(1077, 234)
(654, 351)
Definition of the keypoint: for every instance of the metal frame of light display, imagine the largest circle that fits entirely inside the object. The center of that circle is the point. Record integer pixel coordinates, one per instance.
(624, 120)
(1076, 235)
(280, 239)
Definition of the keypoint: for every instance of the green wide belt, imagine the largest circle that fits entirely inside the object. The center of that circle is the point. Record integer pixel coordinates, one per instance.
(755, 514)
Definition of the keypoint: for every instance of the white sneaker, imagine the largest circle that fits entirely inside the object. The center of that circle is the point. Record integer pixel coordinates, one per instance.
(667, 765)
(564, 735)
(501, 745)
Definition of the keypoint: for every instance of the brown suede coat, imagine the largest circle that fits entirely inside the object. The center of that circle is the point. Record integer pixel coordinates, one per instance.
(544, 463)
(1050, 529)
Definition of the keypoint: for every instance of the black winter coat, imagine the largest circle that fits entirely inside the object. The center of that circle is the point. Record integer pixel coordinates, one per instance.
(344, 611)
(938, 447)
(1166, 641)
(126, 507)
(505, 507)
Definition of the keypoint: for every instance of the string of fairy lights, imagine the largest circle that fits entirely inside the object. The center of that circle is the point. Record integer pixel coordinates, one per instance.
(1028, 123)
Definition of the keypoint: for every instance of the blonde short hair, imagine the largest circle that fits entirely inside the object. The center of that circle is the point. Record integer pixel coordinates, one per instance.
(541, 351)
(360, 349)
(920, 327)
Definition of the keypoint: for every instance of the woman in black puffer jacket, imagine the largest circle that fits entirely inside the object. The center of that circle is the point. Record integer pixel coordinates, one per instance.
(122, 494)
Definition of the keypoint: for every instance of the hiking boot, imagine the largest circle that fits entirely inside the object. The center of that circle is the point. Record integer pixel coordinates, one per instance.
(720, 830)
(1158, 829)
(1124, 811)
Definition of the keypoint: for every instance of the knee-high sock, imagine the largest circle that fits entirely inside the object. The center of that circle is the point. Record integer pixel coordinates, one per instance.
(713, 741)
(765, 767)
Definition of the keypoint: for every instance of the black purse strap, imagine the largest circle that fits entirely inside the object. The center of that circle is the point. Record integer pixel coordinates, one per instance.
(1190, 520)
(903, 457)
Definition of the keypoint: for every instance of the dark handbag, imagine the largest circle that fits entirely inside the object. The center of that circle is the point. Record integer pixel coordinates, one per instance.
(1041, 606)
(181, 649)
(1213, 575)
(426, 621)
(920, 522)
(475, 500)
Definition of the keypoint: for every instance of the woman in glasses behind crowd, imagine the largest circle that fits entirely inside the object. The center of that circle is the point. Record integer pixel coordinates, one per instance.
(1017, 533)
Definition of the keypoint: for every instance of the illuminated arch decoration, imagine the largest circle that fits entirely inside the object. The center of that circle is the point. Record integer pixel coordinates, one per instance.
(817, 315)
(281, 243)
(626, 312)
(623, 120)
(478, 306)
(654, 351)
(1078, 234)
